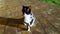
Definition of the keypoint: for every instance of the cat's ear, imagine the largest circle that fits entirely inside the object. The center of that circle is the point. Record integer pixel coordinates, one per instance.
(30, 6)
(23, 5)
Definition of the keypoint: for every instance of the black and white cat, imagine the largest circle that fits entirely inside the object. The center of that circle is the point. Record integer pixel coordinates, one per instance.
(29, 18)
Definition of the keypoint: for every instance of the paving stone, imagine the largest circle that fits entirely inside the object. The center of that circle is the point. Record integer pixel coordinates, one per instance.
(2, 28)
(25, 32)
(13, 9)
(22, 27)
(10, 30)
(1, 31)
(19, 32)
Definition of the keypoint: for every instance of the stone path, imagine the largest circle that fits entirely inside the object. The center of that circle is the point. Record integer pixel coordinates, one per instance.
(47, 17)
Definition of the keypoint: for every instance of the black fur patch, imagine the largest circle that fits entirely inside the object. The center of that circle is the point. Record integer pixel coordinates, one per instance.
(31, 21)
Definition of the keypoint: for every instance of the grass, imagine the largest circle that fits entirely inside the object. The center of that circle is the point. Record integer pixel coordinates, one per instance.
(53, 2)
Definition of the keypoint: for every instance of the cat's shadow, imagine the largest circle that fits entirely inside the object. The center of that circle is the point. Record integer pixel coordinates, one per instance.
(19, 23)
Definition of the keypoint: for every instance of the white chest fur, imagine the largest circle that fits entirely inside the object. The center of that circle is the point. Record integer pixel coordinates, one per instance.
(28, 18)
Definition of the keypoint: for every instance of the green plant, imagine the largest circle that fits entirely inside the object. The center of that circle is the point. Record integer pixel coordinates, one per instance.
(53, 2)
